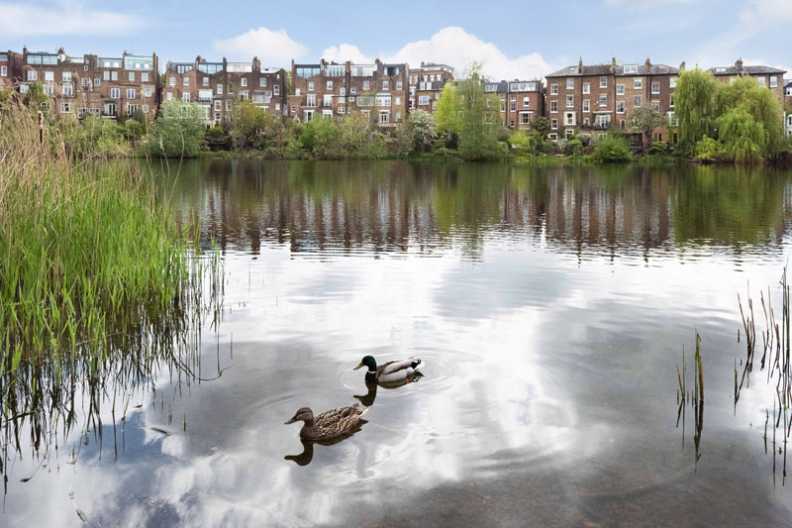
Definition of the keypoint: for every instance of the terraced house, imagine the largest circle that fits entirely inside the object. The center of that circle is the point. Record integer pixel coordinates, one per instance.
(217, 86)
(426, 85)
(591, 99)
(767, 76)
(110, 87)
(10, 68)
(377, 91)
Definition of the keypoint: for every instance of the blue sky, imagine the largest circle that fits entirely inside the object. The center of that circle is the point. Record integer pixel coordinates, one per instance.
(525, 38)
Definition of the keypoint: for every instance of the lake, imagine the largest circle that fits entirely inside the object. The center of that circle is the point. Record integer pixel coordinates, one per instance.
(550, 307)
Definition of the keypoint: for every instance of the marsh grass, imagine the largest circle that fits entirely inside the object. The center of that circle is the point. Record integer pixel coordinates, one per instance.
(99, 286)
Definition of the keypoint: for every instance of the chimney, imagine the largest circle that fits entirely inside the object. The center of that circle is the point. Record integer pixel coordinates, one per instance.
(682, 66)
(739, 65)
(256, 64)
(614, 64)
(648, 63)
(580, 65)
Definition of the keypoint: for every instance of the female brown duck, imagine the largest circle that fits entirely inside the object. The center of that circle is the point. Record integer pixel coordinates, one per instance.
(330, 426)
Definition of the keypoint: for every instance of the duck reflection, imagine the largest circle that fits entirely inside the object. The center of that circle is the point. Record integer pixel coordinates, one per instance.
(304, 458)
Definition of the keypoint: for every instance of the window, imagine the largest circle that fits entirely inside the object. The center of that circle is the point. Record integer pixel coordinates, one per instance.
(586, 105)
(97, 82)
(513, 106)
(342, 91)
(263, 82)
(32, 75)
(603, 101)
(131, 93)
(171, 81)
(569, 132)
(218, 106)
(66, 76)
(620, 107)
(106, 75)
(3, 71)
(144, 77)
(655, 87)
(385, 86)
(243, 82)
(49, 76)
(398, 84)
(310, 100)
(656, 106)
(86, 83)
(276, 89)
(586, 88)
(384, 117)
(327, 114)
(637, 100)
(619, 89)
(148, 91)
(553, 107)
(554, 89)
(131, 76)
(671, 102)
(526, 102)
(311, 86)
(630, 68)
(424, 100)
(673, 81)
(773, 82)
(397, 101)
(115, 93)
(603, 82)
(570, 101)
(329, 86)
(220, 88)
(327, 100)
(132, 109)
(110, 109)
(366, 85)
(569, 119)
(68, 90)
(383, 100)
(66, 108)
(525, 118)
(308, 115)
(638, 84)
(570, 84)
(186, 82)
(186, 97)
(554, 124)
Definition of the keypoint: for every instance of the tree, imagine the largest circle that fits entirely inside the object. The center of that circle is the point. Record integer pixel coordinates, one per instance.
(762, 106)
(478, 135)
(645, 119)
(421, 131)
(179, 131)
(541, 125)
(448, 113)
(612, 148)
(695, 107)
(743, 138)
(248, 125)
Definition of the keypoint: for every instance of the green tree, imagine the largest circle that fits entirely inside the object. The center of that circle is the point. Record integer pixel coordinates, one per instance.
(707, 150)
(695, 107)
(421, 131)
(743, 138)
(763, 107)
(448, 113)
(179, 131)
(612, 148)
(541, 125)
(478, 136)
(645, 120)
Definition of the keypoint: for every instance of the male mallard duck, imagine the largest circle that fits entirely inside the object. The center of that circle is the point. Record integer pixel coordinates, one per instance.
(390, 372)
(330, 426)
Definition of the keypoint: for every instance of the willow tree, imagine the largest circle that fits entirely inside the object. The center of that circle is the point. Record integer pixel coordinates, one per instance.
(447, 115)
(743, 138)
(695, 106)
(758, 103)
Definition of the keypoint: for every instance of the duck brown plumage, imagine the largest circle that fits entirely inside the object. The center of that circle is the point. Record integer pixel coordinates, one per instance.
(329, 426)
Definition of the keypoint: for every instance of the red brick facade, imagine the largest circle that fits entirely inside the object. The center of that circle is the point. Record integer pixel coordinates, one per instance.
(104, 86)
(426, 85)
(772, 78)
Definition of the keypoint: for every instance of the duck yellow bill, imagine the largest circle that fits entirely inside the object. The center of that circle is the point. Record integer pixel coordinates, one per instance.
(360, 366)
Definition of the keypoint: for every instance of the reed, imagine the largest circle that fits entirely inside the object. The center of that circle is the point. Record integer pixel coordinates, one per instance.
(99, 287)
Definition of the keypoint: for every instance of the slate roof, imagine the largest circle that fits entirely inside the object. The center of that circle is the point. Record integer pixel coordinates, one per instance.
(619, 70)
(739, 69)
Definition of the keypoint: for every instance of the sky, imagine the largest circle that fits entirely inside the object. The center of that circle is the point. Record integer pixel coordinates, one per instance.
(511, 38)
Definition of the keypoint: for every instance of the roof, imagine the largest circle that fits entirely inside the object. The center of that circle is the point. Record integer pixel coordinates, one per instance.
(618, 70)
(740, 69)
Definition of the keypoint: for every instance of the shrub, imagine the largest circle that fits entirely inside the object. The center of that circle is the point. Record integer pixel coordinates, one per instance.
(612, 148)
(707, 150)
(178, 132)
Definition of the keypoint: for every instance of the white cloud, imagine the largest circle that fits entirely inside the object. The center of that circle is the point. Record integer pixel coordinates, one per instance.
(458, 48)
(273, 47)
(346, 52)
(31, 20)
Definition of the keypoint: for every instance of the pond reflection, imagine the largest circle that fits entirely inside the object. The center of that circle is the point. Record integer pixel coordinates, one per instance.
(549, 307)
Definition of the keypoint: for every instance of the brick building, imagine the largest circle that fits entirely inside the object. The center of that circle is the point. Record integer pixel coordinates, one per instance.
(772, 78)
(788, 95)
(216, 86)
(10, 69)
(591, 99)
(110, 87)
(426, 85)
(378, 91)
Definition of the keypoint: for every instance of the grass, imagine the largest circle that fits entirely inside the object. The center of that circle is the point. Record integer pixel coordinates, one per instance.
(99, 287)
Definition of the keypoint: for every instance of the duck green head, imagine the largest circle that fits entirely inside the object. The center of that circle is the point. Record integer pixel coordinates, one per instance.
(369, 362)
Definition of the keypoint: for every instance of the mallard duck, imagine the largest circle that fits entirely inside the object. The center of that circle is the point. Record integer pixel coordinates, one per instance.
(390, 372)
(330, 426)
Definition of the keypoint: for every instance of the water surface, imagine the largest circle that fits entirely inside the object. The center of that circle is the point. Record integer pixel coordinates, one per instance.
(550, 307)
